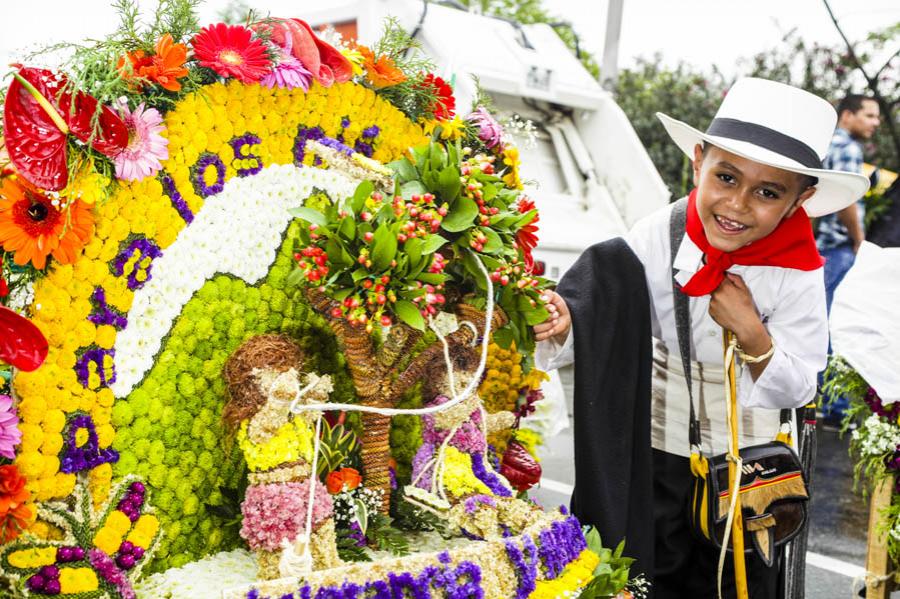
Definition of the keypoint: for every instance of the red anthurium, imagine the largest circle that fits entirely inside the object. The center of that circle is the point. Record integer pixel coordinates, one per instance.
(21, 343)
(40, 112)
(519, 467)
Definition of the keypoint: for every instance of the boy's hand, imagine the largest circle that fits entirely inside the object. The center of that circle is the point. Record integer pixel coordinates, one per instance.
(731, 305)
(558, 323)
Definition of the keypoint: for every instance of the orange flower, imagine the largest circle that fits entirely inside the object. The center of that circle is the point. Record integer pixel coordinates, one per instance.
(14, 514)
(33, 228)
(345, 479)
(382, 72)
(165, 67)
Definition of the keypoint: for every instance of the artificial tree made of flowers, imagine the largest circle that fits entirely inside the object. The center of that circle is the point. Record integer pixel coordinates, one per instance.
(396, 262)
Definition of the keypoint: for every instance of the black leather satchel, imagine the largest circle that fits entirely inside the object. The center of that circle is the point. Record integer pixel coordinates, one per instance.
(773, 490)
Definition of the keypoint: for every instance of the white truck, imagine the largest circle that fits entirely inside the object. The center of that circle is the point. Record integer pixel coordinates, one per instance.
(593, 177)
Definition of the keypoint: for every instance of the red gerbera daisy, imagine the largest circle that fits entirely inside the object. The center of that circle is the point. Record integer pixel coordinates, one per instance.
(231, 51)
(444, 103)
(526, 237)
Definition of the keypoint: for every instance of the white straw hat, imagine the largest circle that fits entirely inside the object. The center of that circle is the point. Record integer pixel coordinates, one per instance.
(781, 126)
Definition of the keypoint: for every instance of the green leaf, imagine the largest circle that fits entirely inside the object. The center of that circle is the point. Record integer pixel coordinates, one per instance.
(335, 252)
(347, 228)
(359, 274)
(362, 193)
(408, 313)
(404, 169)
(412, 187)
(449, 184)
(432, 278)
(384, 247)
(414, 249)
(362, 514)
(525, 219)
(432, 244)
(494, 244)
(342, 294)
(421, 156)
(535, 316)
(503, 337)
(295, 278)
(460, 216)
(309, 215)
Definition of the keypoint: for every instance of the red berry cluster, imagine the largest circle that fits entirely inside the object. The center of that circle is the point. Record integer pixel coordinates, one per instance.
(421, 214)
(472, 187)
(313, 261)
(513, 273)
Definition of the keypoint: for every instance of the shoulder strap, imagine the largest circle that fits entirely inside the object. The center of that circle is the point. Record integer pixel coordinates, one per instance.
(677, 223)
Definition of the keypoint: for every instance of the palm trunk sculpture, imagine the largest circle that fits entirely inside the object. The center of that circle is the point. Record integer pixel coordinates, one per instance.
(381, 379)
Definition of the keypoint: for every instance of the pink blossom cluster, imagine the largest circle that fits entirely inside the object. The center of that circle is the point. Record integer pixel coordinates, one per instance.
(276, 511)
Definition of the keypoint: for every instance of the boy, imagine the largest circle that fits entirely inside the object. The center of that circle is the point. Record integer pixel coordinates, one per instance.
(749, 264)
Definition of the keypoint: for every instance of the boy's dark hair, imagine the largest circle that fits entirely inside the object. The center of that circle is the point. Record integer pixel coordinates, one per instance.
(853, 103)
(805, 180)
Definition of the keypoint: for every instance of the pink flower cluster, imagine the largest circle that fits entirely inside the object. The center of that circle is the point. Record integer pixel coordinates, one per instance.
(276, 511)
(468, 437)
(10, 435)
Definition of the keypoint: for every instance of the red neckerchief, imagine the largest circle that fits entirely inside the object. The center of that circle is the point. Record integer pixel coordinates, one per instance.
(790, 245)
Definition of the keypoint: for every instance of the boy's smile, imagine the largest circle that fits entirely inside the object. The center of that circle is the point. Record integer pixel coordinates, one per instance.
(740, 200)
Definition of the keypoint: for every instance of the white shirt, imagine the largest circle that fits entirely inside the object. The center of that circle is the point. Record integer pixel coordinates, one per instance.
(791, 304)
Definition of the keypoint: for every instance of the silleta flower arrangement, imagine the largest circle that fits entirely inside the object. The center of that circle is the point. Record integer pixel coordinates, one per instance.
(367, 208)
(875, 444)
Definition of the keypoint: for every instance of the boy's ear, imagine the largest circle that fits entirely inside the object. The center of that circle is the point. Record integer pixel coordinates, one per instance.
(801, 199)
(698, 162)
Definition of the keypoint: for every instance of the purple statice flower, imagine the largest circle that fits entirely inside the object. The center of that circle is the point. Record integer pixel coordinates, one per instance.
(105, 314)
(525, 405)
(288, 72)
(304, 134)
(178, 202)
(147, 249)
(468, 437)
(560, 544)
(471, 504)
(237, 144)
(10, 435)
(357, 535)
(525, 567)
(88, 456)
(96, 355)
(330, 142)
(489, 130)
(198, 175)
(419, 465)
(491, 480)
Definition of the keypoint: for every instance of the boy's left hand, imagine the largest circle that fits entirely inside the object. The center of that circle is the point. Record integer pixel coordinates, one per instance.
(731, 305)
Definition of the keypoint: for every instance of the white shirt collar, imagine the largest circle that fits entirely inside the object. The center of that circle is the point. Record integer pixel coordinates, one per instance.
(689, 260)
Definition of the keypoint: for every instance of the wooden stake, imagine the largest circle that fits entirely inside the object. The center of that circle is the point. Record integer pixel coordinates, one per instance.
(877, 562)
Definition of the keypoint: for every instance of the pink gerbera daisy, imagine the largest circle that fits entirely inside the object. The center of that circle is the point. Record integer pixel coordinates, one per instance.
(288, 72)
(10, 435)
(232, 51)
(489, 130)
(146, 147)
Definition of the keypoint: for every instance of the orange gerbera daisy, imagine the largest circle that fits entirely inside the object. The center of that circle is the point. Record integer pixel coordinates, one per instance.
(382, 72)
(165, 67)
(14, 514)
(33, 228)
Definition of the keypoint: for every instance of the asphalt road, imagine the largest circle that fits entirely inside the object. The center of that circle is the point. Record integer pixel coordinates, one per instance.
(838, 516)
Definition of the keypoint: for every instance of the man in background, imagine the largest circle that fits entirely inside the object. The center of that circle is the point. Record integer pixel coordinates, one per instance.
(839, 235)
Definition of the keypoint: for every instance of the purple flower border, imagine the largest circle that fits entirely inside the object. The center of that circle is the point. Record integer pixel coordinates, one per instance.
(178, 202)
(147, 249)
(105, 315)
(239, 142)
(88, 456)
(206, 160)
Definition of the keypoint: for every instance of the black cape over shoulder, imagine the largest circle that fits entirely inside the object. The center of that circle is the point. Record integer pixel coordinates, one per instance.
(606, 292)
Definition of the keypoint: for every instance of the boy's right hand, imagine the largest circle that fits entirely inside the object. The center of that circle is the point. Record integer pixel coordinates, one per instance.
(559, 322)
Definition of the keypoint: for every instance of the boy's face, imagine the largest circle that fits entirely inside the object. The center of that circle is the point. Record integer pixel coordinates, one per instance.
(739, 200)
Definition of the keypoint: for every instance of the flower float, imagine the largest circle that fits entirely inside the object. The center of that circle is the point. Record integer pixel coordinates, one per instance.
(237, 183)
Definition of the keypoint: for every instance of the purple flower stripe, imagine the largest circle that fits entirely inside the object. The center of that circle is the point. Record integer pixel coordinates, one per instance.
(345, 122)
(491, 480)
(363, 148)
(198, 176)
(105, 315)
(238, 144)
(89, 455)
(330, 142)
(371, 132)
(560, 544)
(471, 504)
(303, 135)
(147, 249)
(83, 371)
(461, 582)
(178, 202)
